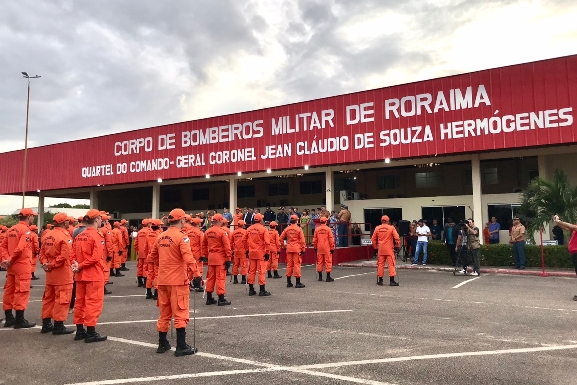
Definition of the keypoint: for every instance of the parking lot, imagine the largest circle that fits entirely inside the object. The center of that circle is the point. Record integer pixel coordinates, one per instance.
(434, 328)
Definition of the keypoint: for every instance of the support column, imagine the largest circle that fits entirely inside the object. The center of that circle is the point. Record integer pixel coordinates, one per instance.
(477, 194)
(330, 189)
(155, 200)
(93, 198)
(40, 209)
(232, 188)
(542, 162)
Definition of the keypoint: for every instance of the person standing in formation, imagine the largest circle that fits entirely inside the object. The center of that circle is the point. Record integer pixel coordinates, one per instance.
(126, 240)
(195, 236)
(324, 245)
(16, 254)
(108, 251)
(35, 250)
(172, 257)
(87, 263)
(238, 252)
(295, 248)
(282, 219)
(119, 246)
(55, 260)
(274, 250)
(217, 252)
(237, 217)
(257, 244)
(386, 240)
(152, 269)
(140, 246)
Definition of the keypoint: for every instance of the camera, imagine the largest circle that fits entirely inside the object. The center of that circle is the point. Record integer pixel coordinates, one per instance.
(463, 223)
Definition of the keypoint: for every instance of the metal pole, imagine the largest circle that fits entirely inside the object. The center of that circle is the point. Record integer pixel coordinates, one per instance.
(25, 147)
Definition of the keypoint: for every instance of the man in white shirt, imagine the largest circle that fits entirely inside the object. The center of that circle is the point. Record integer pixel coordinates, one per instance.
(423, 233)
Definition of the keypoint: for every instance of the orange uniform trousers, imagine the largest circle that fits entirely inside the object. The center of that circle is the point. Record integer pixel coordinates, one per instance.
(216, 275)
(140, 267)
(272, 263)
(391, 261)
(124, 257)
(56, 301)
(116, 260)
(257, 264)
(293, 262)
(16, 292)
(241, 260)
(322, 259)
(200, 266)
(89, 302)
(173, 303)
(34, 263)
(151, 277)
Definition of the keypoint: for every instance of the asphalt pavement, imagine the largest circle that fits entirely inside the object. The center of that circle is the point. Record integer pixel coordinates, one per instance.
(435, 328)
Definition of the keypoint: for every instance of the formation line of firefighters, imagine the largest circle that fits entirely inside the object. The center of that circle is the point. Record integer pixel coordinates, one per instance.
(170, 262)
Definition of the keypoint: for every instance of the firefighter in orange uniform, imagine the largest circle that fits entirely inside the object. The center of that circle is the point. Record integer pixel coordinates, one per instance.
(152, 269)
(87, 253)
(216, 251)
(35, 250)
(386, 239)
(108, 252)
(3, 230)
(71, 222)
(237, 217)
(176, 266)
(119, 246)
(238, 252)
(324, 245)
(126, 240)
(295, 249)
(140, 247)
(195, 236)
(16, 254)
(257, 244)
(187, 224)
(55, 260)
(275, 246)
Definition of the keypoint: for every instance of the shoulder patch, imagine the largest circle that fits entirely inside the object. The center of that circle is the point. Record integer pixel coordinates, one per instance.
(70, 241)
(186, 240)
(28, 232)
(102, 242)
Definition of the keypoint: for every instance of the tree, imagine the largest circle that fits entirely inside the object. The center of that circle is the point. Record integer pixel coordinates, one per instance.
(9, 220)
(544, 198)
(63, 206)
(87, 207)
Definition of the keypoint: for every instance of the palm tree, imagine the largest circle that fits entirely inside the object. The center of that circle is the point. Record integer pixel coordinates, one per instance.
(543, 198)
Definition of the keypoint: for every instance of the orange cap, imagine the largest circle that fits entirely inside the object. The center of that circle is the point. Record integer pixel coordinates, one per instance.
(156, 222)
(93, 213)
(241, 223)
(71, 219)
(80, 219)
(2, 227)
(27, 212)
(116, 224)
(294, 217)
(123, 221)
(33, 228)
(188, 217)
(273, 223)
(323, 219)
(176, 214)
(217, 217)
(60, 218)
(196, 220)
(145, 221)
(49, 226)
(385, 218)
(257, 217)
(104, 217)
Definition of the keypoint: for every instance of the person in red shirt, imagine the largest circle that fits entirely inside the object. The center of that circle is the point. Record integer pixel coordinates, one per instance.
(55, 260)
(140, 247)
(295, 249)
(238, 252)
(386, 239)
(176, 266)
(216, 251)
(88, 264)
(16, 254)
(324, 245)
(257, 244)
(275, 246)
(35, 250)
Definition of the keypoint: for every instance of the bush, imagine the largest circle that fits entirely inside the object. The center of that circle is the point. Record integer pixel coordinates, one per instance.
(502, 255)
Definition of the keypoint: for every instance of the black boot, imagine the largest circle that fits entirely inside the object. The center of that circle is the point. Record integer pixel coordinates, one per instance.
(251, 290)
(392, 282)
(235, 281)
(60, 329)
(289, 282)
(320, 276)
(10, 320)
(263, 292)
(118, 273)
(21, 322)
(269, 274)
(299, 285)
(34, 278)
(329, 279)
(163, 344)
(148, 293)
(182, 348)
(209, 299)
(243, 281)
(47, 326)
(124, 268)
(222, 301)
(92, 336)
(380, 281)
(106, 291)
(143, 281)
(276, 274)
(228, 273)
(80, 333)
(155, 294)
(140, 282)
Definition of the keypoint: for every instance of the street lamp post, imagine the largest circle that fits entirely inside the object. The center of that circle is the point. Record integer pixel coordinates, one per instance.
(25, 75)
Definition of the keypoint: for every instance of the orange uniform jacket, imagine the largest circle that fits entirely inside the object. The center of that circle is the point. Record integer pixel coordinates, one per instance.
(237, 242)
(386, 238)
(35, 245)
(55, 252)
(87, 250)
(186, 228)
(195, 236)
(118, 240)
(236, 217)
(171, 253)
(140, 242)
(274, 239)
(256, 241)
(295, 238)
(17, 249)
(2, 236)
(216, 245)
(323, 240)
(108, 249)
(151, 237)
(125, 239)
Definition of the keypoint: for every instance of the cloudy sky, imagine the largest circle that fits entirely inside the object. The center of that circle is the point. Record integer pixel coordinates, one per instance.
(112, 66)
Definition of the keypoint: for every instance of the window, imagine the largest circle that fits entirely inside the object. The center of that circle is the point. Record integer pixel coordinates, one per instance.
(245, 191)
(373, 216)
(387, 182)
(533, 174)
(429, 179)
(311, 187)
(490, 175)
(200, 194)
(276, 189)
(442, 213)
(171, 196)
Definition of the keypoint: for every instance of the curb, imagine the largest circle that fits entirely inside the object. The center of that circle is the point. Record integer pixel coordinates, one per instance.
(373, 265)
